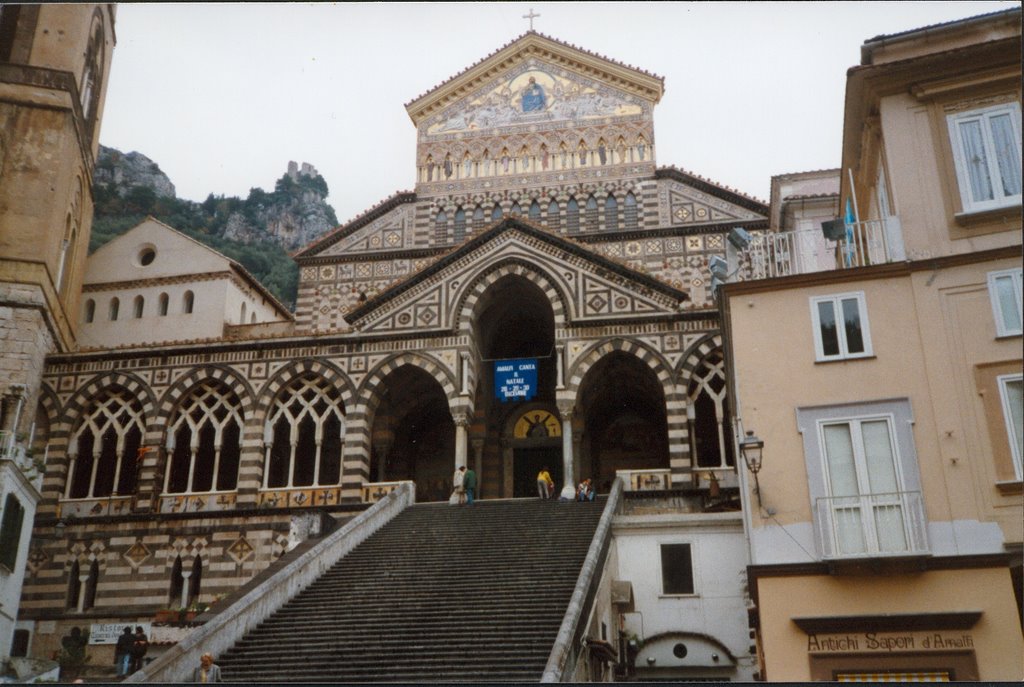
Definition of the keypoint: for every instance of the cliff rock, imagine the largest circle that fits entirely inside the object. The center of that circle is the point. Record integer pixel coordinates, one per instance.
(122, 171)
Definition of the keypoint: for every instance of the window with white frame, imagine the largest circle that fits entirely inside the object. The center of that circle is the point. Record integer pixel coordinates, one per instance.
(987, 153)
(1010, 397)
(840, 327)
(863, 479)
(677, 569)
(1004, 288)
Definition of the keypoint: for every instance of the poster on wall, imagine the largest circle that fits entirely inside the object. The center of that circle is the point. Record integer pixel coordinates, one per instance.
(515, 380)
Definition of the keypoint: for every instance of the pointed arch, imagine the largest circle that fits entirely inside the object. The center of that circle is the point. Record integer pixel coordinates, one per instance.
(299, 368)
(471, 293)
(651, 357)
(591, 221)
(441, 227)
(496, 212)
(479, 218)
(534, 212)
(630, 219)
(460, 225)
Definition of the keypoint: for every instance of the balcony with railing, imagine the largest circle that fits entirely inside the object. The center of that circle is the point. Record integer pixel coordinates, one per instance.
(781, 254)
(872, 525)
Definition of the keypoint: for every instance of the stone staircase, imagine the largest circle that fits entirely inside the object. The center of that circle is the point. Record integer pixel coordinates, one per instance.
(440, 594)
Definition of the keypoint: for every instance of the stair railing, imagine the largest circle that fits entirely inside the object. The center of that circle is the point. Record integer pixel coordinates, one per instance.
(566, 650)
(231, 624)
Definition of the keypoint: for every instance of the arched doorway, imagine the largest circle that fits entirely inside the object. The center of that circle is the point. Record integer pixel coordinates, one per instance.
(413, 435)
(625, 426)
(514, 320)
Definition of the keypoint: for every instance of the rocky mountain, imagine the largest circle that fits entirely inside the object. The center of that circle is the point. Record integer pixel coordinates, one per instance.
(123, 171)
(257, 231)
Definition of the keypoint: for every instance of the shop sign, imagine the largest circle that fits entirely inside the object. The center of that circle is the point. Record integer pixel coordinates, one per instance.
(107, 633)
(888, 642)
(515, 379)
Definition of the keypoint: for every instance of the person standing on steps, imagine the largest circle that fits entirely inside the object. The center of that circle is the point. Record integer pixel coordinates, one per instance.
(123, 651)
(208, 671)
(545, 484)
(469, 484)
(458, 486)
(140, 645)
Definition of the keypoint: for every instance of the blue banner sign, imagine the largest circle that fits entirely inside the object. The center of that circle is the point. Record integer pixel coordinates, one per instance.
(515, 380)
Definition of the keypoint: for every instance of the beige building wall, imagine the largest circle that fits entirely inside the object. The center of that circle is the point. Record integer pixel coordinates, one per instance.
(790, 651)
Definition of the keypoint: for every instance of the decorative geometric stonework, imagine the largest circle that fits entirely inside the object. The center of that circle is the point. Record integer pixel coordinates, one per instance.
(240, 550)
(37, 559)
(136, 554)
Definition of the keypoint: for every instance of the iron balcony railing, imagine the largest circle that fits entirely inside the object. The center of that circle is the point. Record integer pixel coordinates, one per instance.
(781, 254)
(872, 525)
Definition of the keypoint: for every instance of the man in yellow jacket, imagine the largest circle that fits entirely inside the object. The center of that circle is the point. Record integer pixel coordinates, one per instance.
(545, 485)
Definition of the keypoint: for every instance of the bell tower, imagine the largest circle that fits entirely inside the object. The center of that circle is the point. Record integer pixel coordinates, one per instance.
(54, 67)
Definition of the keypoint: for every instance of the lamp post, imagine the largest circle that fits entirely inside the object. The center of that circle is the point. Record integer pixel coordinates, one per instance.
(750, 448)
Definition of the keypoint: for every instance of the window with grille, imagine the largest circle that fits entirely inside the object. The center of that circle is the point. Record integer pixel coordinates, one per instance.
(611, 214)
(572, 217)
(592, 217)
(460, 225)
(304, 436)
(104, 448)
(479, 219)
(203, 442)
(629, 212)
(441, 227)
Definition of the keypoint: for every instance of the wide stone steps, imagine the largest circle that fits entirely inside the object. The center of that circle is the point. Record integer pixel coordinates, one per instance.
(440, 594)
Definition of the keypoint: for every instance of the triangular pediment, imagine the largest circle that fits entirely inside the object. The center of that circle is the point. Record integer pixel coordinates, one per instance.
(694, 200)
(593, 288)
(387, 226)
(535, 81)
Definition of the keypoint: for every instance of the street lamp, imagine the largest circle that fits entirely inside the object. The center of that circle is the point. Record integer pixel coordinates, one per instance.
(751, 448)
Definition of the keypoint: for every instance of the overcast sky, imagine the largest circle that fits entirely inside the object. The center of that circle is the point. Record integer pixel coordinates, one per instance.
(223, 96)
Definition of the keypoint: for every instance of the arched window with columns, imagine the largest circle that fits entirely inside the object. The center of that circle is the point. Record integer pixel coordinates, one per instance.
(553, 214)
(104, 448)
(479, 218)
(204, 442)
(708, 413)
(441, 227)
(592, 216)
(303, 436)
(496, 213)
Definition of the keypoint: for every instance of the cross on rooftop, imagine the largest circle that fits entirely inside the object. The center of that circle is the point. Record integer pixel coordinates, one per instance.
(531, 16)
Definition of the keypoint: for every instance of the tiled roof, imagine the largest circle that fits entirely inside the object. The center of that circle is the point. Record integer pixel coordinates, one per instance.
(546, 37)
(808, 196)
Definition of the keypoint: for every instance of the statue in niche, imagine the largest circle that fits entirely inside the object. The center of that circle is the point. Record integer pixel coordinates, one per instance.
(622, 150)
(467, 166)
(533, 98)
(505, 159)
(564, 153)
(430, 167)
(641, 146)
(582, 148)
(524, 155)
(448, 166)
(602, 153)
(543, 156)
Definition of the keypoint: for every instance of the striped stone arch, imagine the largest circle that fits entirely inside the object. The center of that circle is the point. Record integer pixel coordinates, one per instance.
(467, 301)
(131, 383)
(369, 390)
(645, 353)
(292, 371)
(697, 353)
(50, 403)
(230, 378)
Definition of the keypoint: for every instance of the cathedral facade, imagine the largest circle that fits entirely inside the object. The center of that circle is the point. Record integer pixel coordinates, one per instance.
(540, 299)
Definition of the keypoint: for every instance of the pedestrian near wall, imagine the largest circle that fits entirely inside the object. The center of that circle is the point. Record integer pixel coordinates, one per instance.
(469, 484)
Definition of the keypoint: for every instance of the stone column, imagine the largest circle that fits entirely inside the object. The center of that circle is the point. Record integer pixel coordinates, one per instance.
(569, 477)
(461, 439)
